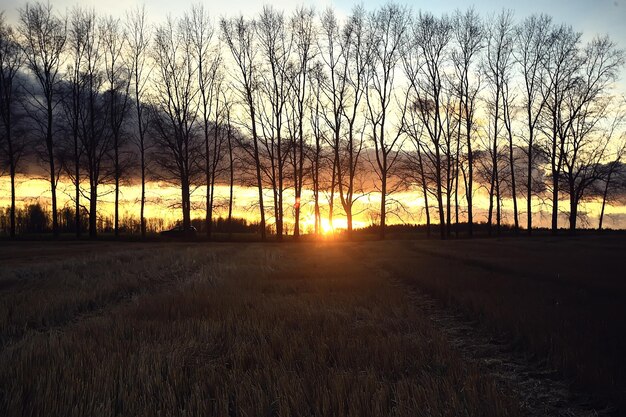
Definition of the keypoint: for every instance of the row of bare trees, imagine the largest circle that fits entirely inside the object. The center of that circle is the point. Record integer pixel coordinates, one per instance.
(449, 108)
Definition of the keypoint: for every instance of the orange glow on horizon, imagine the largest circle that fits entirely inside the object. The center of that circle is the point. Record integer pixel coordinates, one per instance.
(162, 203)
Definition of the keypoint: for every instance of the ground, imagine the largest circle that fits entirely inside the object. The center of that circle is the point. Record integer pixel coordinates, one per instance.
(484, 327)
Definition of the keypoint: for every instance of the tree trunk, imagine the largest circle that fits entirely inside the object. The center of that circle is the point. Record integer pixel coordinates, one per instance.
(117, 185)
(296, 225)
(331, 200)
(424, 191)
(230, 208)
(185, 203)
(278, 202)
(207, 219)
(448, 187)
(456, 185)
(296, 205)
(299, 177)
(490, 213)
(470, 179)
(513, 188)
(231, 184)
(55, 224)
(495, 186)
(143, 191)
(383, 205)
(555, 176)
(12, 174)
(53, 184)
(259, 186)
(604, 197)
(316, 190)
(529, 206)
(498, 205)
(555, 203)
(573, 213)
(93, 201)
(211, 205)
(77, 179)
(442, 225)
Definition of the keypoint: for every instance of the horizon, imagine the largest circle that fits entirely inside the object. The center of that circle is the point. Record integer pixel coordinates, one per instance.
(407, 206)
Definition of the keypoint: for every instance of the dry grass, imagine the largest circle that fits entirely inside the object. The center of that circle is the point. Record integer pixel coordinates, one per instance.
(44, 296)
(276, 330)
(562, 300)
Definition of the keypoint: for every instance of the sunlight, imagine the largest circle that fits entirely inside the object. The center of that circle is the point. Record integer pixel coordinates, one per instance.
(327, 227)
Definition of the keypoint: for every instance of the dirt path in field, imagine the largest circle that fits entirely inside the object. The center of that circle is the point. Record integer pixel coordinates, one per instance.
(541, 390)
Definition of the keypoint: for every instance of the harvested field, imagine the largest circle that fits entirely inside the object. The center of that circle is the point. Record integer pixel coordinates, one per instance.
(332, 328)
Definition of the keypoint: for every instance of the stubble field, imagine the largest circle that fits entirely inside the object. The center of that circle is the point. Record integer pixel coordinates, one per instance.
(313, 329)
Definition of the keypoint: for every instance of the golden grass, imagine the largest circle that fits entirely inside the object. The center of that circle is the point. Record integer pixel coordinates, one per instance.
(246, 330)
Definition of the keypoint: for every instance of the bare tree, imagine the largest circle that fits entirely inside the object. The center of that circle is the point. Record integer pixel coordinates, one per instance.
(613, 176)
(94, 134)
(497, 67)
(13, 147)
(387, 34)
(118, 79)
(584, 150)
(413, 163)
(356, 56)
(610, 187)
(315, 118)
(138, 45)
(345, 56)
(304, 34)
(175, 110)
(586, 140)
(532, 40)
(217, 148)
(208, 61)
(468, 34)
(276, 44)
(77, 32)
(561, 65)
(43, 39)
(238, 35)
(423, 62)
(508, 99)
(451, 148)
(333, 87)
(231, 159)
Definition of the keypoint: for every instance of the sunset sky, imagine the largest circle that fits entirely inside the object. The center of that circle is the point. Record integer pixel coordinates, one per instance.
(589, 17)
(162, 201)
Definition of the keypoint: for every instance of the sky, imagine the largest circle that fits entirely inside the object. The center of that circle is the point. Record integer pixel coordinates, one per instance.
(589, 16)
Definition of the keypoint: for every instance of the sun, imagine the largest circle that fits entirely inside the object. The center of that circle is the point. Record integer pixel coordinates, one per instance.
(327, 227)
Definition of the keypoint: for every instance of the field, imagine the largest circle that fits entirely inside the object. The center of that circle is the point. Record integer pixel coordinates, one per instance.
(507, 327)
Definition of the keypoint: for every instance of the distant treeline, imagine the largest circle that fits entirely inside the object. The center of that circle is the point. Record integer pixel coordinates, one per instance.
(382, 101)
(36, 219)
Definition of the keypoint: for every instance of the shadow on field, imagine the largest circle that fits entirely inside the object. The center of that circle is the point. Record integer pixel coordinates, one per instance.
(563, 300)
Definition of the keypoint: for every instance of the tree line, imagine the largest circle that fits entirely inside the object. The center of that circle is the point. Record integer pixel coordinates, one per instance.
(376, 103)
(35, 218)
